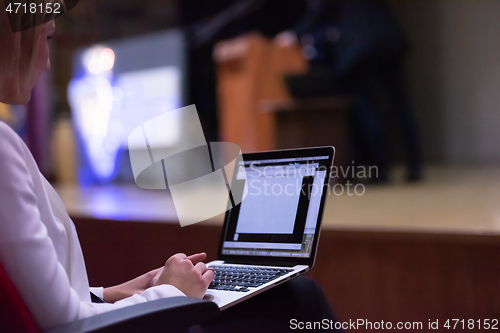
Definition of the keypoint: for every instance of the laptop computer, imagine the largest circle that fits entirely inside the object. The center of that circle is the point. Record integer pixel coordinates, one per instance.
(272, 235)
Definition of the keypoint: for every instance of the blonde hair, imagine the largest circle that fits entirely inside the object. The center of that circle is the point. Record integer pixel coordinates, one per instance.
(18, 50)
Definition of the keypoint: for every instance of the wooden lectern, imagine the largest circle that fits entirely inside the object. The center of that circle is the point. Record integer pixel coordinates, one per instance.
(250, 69)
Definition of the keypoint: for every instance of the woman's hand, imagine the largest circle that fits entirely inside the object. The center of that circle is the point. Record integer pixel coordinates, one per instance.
(188, 274)
(129, 288)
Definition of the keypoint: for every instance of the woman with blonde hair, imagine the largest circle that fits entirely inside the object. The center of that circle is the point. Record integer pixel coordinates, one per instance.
(39, 247)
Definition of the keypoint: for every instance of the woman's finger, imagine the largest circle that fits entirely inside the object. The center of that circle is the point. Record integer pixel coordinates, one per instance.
(196, 258)
(208, 276)
(200, 267)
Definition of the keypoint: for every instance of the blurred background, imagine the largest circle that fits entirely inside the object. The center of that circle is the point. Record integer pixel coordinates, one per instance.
(449, 54)
(408, 87)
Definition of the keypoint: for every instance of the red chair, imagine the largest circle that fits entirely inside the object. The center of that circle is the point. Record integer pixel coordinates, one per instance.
(14, 315)
(169, 314)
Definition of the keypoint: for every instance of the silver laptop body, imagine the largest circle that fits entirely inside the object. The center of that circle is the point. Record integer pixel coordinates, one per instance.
(272, 235)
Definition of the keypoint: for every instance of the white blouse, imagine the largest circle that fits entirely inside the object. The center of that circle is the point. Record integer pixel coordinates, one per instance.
(39, 247)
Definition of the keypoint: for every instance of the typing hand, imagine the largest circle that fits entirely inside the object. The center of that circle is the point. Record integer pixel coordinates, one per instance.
(188, 274)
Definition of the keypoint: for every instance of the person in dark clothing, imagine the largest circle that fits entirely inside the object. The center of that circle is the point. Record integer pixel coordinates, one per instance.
(363, 46)
(276, 310)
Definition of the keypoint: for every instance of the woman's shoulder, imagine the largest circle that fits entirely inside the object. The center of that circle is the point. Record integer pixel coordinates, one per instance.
(13, 150)
(8, 138)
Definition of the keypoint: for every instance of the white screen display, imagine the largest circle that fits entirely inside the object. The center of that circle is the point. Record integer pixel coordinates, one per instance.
(270, 206)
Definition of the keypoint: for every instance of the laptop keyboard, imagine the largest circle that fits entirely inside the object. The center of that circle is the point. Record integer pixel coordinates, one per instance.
(237, 278)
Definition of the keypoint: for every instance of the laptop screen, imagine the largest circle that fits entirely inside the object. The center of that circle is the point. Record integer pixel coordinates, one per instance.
(279, 216)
